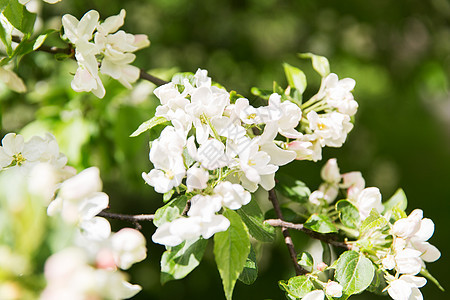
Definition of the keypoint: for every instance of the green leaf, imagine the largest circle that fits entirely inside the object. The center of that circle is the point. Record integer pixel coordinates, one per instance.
(348, 214)
(428, 275)
(305, 260)
(297, 286)
(231, 249)
(373, 221)
(170, 211)
(295, 77)
(292, 189)
(354, 272)
(319, 63)
(3, 4)
(265, 94)
(326, 254)
(147, 125)
(6, 38)
(250, 272)
(378, 283)
(167, 196)
(320, 223)
(177, 262)
(253, 217)
(19, 16)
(397, 200)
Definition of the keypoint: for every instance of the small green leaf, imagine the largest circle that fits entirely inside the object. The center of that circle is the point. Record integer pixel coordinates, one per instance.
(326, 254)
(253, 217)
(265, 94)
(297, 286)
(39, 41)
(295, 77)
(373, 221)
(170, 211)
(319, 63)
(177, 262)
(348, 214)
(231, 249)
(428, 275)
(250, 272)
(147, 125)
(167, 196)
(292, 189)
(398, 200)
(320, 223)
(305, 260)
(354, 272)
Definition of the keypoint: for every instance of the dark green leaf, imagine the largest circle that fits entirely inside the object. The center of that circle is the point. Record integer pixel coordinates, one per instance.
(320, 223)
(177, 262)
(297, 286)
(148, 125)
(348, 214)
(250, 272)
(253, 217)
(295, 77)
(397, 200)
(265, 94)
(170, 211)
(288, 214)
(354, 272)
(378, 283)
(292, 189)
(326, 254)
(231, 249)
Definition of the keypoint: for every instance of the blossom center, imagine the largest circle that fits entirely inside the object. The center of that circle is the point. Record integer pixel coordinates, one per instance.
(18, 159)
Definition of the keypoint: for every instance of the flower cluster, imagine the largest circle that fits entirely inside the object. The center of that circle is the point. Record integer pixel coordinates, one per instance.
(108, 47)
(364, 199)
(401, 246)
(89, 266)
(220, 144)
(408, 253)
(99, 252)
(327, 118)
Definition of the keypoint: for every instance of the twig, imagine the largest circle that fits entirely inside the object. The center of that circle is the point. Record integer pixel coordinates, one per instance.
(135, 219)
(71, 51)
(329, 239)
(287, 237)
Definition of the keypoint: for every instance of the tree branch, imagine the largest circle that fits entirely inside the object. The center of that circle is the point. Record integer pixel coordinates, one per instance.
(327, 238)
(287, 237)
(135, 219)
(71, 51)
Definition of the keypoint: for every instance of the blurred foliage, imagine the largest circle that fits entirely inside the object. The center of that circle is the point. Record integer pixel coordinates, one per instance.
(397, 51)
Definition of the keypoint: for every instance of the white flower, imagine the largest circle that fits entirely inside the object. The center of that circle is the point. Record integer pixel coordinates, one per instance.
(333, 289)
(354, 183)
(337, 93)
(330, 188)
(197, 178)
(330, 172)
(306, 148)
(331, 128)
(285, 115)
(211, 155)
(388, 262)
(79, 200)
(408, 261)
(406, 288)
(232, 195)
(368, 199)
(314, 295)
(256, 169)
(266, 142)
(11, 80)
(128, 247)
(407, 227)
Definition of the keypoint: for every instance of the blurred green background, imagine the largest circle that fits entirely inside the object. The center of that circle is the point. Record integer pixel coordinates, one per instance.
(397, 51)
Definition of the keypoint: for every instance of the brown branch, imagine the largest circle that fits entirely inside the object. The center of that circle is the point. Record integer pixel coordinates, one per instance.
(287, 237)
(71, 51)
(327, 238)
(135, 219)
